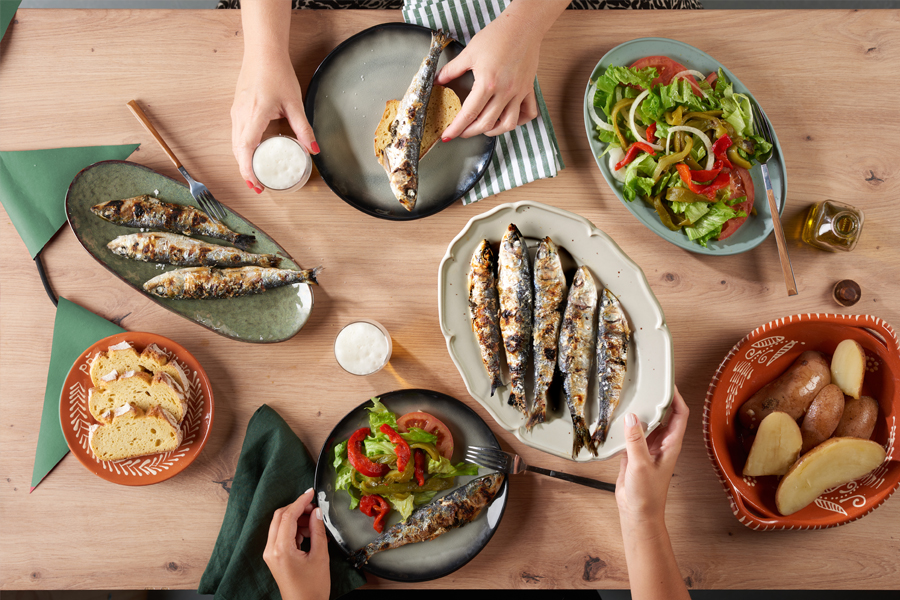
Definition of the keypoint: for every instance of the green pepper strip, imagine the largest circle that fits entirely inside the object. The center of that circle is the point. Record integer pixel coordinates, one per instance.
(710, 114)
(663, 213)
(670, 159)
(679, 194)
(396, 476)
(736, 158)
(435, 484)
(624, 102)
(673, 117)
(429, 448)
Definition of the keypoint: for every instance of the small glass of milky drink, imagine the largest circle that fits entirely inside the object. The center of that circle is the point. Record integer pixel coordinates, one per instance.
(281, 164)
(363, 347)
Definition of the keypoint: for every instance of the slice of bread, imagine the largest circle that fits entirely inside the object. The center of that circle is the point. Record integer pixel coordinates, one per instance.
(141, 389)
(131, 432)
(443, 106)
(122, 358)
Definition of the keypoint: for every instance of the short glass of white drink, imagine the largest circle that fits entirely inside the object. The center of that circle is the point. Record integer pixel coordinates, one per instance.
(281, 164)
(363, 347)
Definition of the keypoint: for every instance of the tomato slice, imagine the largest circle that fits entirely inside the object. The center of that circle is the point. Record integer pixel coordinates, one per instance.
(741, 185)
(431, 424)
(665, 67)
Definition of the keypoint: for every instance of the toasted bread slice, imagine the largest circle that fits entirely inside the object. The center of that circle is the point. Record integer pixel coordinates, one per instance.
(122, 358)
(130, 431)
(140, 388)
(443, 107)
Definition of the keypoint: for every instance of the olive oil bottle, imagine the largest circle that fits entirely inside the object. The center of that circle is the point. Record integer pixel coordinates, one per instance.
(832, 226)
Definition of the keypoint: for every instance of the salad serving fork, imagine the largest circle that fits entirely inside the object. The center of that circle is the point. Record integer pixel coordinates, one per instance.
(507, 462)
(762, 128)
(201, 194)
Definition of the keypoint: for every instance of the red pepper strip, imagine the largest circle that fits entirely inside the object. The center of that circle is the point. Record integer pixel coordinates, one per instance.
(720, 147)
(421, 461)
(651, 133)
(359, 460)
(400, 446)
(685, 172)
(632, 153)
(710, 190)
(374, 505)
(707, 175)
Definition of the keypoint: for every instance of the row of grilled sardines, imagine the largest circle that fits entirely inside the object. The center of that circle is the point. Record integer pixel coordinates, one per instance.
(522, 308)
(212, 271)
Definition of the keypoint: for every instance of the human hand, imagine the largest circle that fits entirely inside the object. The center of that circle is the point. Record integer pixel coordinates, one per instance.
(267, 89)
(300, 575)
(646, 469)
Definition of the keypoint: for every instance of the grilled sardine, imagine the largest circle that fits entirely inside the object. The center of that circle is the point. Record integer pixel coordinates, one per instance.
(182, 251)
(576, 348)
(484, 310)
(613, 335)
(454, 510)
(205, 282)
(401, 155)
(549, 293)
(516, 308)
(153, 213)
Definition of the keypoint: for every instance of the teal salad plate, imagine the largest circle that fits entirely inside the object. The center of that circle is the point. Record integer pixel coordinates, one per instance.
(272, 316)
(757, 227)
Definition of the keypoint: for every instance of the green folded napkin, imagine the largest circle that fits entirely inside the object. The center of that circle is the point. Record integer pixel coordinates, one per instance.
(33, 186)
(528, 152)
(74, 330)
(8, 10)
(273, 469)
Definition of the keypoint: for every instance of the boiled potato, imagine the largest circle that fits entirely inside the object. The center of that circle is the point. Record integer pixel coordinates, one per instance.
(848, 366)
(776, 446)
(832, 463)
(822, 418)
(858, 420)
(791, 393)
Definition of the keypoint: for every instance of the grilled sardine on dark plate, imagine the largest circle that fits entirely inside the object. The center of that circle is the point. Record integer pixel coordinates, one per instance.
(206, 283)
(153, 213)
(613, 335)
(401, 155)
(576, 348)
(182, 251)
(456, 509)
(484, 310)
(549, 293)
(516, 306)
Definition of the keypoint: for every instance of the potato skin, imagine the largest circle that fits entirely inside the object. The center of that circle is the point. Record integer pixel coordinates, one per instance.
(822, 418)
(858, 419)
(792, 392)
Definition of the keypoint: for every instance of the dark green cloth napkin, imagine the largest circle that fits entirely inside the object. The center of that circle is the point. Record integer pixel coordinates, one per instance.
(273, 469)
(74, 330)
(8, 10)
(33, 186)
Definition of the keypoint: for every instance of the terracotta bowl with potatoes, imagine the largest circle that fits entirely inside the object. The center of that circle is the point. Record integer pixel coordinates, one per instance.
(800, 421)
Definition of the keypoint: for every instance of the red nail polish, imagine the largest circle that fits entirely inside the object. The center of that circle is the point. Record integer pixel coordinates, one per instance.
(445, 139)
(315, 148)
(249, 184)
(257, 190)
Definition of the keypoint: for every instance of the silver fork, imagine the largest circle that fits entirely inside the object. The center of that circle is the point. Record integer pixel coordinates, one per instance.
(506, 462)
(201, 194)
(762, 128)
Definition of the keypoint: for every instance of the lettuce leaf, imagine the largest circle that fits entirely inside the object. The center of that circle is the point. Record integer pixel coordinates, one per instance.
(691, 210)
(444, 468)
(710, 224)
(638, 173)
(344, 474)
(379, 415)
(402, 503)
(419, 435)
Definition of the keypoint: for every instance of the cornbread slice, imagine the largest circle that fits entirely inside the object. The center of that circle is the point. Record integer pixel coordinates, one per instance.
(131, 432)
(154, 360)
(141, 389)
(123, 357)
(443, 107)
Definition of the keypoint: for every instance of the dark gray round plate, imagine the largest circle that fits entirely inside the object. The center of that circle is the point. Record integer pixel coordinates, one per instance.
(426, 560)
(273, 316)
(344, 104)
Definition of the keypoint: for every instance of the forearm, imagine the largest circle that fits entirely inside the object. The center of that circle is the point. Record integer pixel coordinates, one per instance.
(652, 570)
(267, 28)
(534, 16)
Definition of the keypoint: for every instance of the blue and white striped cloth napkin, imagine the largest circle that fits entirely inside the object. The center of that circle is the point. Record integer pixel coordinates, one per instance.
(528, 152)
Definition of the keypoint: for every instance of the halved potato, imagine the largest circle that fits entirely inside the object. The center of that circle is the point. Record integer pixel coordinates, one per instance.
(848, 367)
(832, 463)
(776, 446)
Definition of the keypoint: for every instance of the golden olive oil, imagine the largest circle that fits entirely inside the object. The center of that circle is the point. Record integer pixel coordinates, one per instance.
(832, 226)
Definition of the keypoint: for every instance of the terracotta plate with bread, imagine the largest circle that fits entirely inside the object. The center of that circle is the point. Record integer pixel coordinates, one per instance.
(785, 347)
(349, 103)
(136, 408)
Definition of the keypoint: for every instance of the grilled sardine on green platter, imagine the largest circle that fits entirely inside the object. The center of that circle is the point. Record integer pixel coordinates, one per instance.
(549, 294)
(484, 310)
(182, 251)
(576, 349)
(207, 283)
(516, 306)
(401, 155)
(153, 213)
(456, 509)
(613, 335)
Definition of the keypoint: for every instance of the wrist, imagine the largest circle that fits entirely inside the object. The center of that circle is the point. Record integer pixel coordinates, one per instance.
(645, 527)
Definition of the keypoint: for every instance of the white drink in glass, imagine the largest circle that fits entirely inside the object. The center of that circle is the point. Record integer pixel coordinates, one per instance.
(281, 164)
(363, 347)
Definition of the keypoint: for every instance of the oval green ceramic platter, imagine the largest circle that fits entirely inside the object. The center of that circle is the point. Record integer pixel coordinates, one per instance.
(757, 227)
(273, 316)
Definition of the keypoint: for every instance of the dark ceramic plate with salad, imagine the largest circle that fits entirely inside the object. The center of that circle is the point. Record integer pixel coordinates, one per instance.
(447, 427)
(682, 138)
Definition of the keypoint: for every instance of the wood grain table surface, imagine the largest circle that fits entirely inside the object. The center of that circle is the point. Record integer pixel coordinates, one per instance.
(829, 81)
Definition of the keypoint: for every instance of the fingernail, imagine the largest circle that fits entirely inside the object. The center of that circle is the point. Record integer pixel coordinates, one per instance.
(630, 420)
(257, 190)
(307, 491)
(249, 184)
(318, 512)
(445, 139)
(315, 148)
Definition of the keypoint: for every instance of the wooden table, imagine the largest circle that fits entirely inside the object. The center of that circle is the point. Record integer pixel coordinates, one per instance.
(829, 81)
